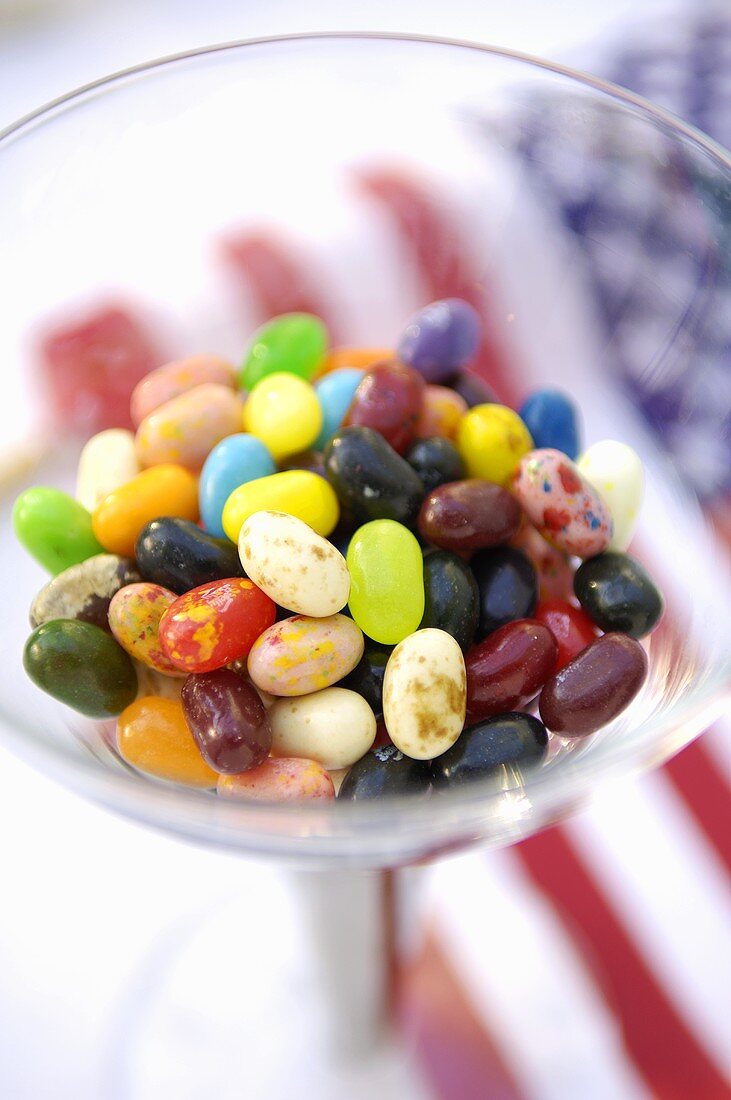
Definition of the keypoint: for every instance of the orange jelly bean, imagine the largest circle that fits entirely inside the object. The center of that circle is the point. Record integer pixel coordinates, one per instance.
(441, 411)
(165, 490)
(153, 736)
(361, 358)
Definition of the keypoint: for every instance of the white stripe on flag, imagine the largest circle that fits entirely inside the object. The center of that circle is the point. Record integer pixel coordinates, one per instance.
(673, 896)
(515, 960)
(718, 743)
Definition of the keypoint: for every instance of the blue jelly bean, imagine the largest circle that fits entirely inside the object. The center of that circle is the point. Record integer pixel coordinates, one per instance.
(440, 339)
(551, 418)
(232, 462)
(335, 392)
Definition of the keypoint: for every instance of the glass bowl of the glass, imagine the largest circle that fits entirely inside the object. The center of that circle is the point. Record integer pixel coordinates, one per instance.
(394, 171)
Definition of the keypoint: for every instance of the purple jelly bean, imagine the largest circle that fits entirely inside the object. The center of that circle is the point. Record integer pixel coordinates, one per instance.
(440, 339)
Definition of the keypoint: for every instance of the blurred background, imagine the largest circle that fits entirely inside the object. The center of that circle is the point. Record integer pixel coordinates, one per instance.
(591, 961)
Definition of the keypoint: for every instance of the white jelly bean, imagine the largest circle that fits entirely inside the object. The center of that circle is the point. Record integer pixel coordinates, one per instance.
(424, 694)
(335, 727)
(616, 471)
(296, 567)
(108, 461)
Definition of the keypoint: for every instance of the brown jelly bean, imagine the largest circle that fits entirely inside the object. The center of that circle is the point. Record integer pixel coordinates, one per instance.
(388, 400)
(595, 687)
(469, 515)
(228, 721)
(509, 668)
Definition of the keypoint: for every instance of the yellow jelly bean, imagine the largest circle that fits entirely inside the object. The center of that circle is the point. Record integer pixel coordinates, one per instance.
(153, 736)
(166, 490)
(492, 439)
(386, 581)
(298, 492)
(284, 413)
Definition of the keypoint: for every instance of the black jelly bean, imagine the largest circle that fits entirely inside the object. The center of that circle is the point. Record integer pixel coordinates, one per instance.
(383, 773)
(178, 555)
(472, 389)
(616, 592)
(508, 586)
(370, 479)
(436, 461)
(514, 739)
(451, 596)
(367, 676)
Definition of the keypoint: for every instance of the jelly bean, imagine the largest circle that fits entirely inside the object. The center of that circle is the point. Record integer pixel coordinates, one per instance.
(424, 692)
(436, 461)
(305, 460)
(84, 591)
(508, 741)
(289, 779)
(617, 473)
(616, 592)
(82, 666)
(215, 624)
(571, 627)
(388, 400)
(385, 773)
(441, 411)
(386, 581)
(451, 596)
(595, 687)
(160, 491)
(134, 619)
(299, 493)
(367, 676)
(107, 461)
(335, 392)
(54, 528)
(228, 721)
(349, 358)
(508, 587)
(173, 379)
(300, 655)
(231, 463)
(440, 338)
(296, 567)
(508, 668)
(469, 515)
(472, 389)
(293, 342)
(178, 555)
(552, 420)
(153, 737)
(561, 504)
(335, 727)
(185, 429)
(284, 413)
(492, 439)
(370, 479)
(554, 569)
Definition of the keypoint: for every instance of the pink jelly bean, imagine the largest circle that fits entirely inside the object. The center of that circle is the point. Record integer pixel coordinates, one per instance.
(286, 779)
(171, 380)
(561, 504)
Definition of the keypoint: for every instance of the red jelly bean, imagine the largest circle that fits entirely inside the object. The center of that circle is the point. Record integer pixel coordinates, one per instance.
(469, 515)
(228, 721)
(509, 668)
(595, 687)
(215, 624)
(389, 400)
(571, 627)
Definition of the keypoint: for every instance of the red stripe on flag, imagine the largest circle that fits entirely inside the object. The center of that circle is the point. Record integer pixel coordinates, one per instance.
(703, 789)
(432, 238)
(663, 1049)
(451, 1042)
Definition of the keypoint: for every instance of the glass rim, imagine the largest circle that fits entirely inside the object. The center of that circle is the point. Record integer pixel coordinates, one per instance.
(186, 812)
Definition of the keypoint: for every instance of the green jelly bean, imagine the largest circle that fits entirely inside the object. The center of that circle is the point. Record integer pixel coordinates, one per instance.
(386, 581)
(54, 528)
(293, 342)
(82, 666)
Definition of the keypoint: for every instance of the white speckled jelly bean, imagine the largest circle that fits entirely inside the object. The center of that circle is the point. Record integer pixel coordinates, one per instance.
(300, 655)
(335, 727)
(296, 567)
(563, 505)
(108, 460)
(616, 471)
(424, 694)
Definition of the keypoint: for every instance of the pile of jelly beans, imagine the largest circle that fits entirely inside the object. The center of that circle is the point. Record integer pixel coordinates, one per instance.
(386, 583)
